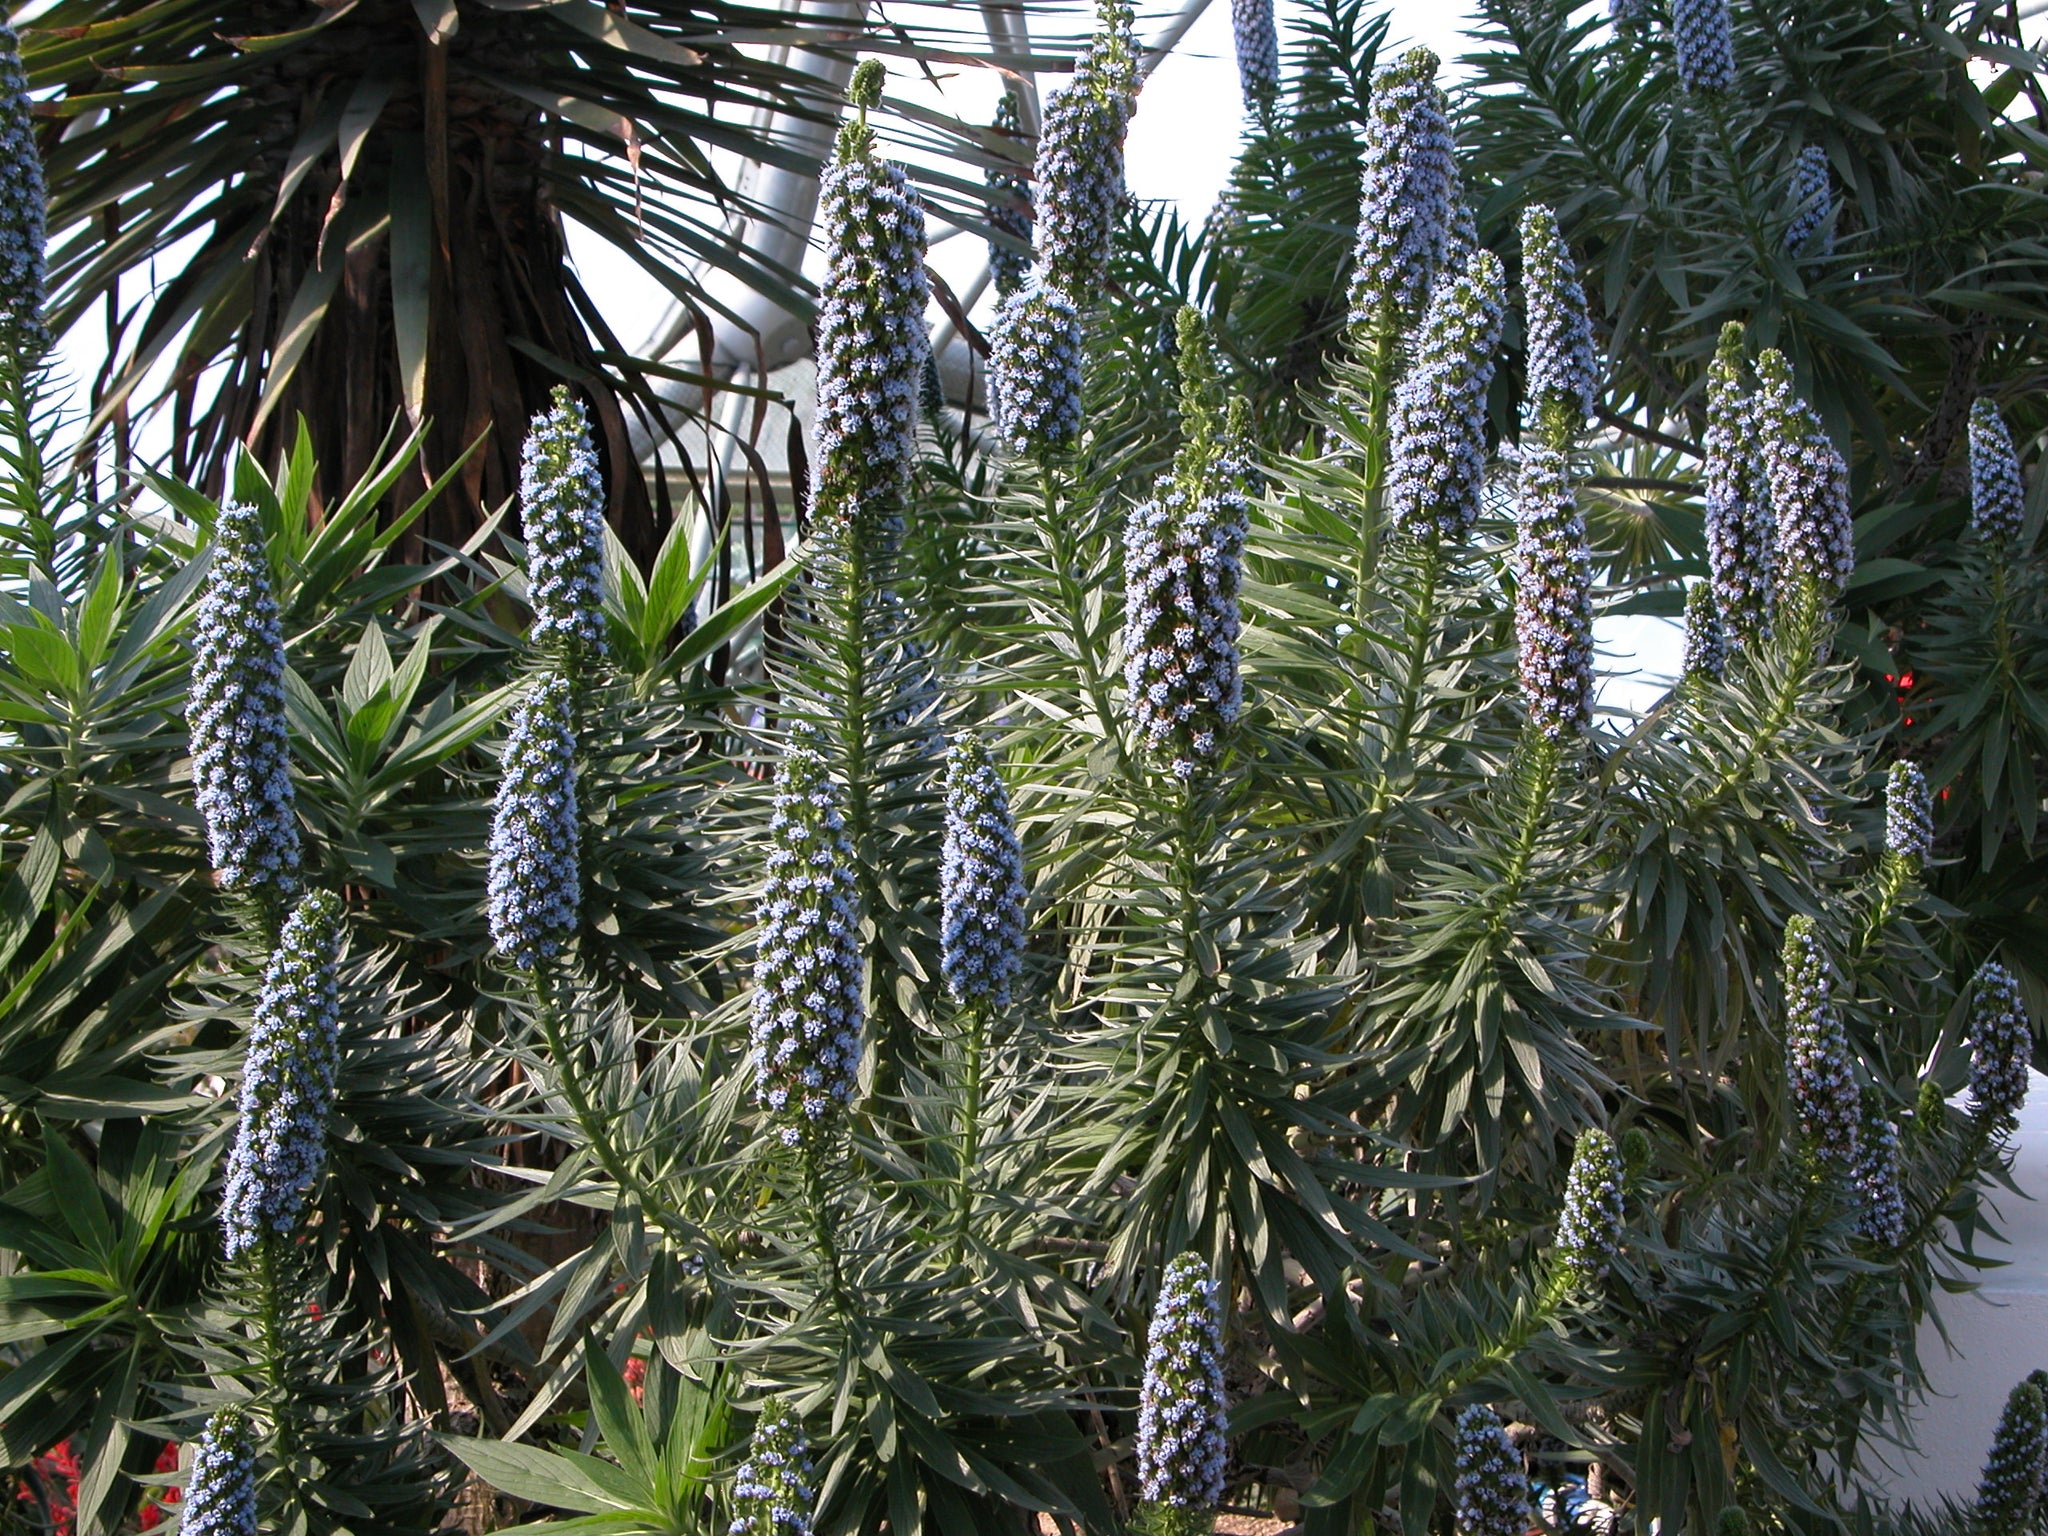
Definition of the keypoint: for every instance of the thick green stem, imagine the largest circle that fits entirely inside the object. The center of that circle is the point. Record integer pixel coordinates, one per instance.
(1063, 539)
(1537, 781)
(818, 1205)
(274, 1339)
(1419, 628)
(1803, 618)
(976, 1018)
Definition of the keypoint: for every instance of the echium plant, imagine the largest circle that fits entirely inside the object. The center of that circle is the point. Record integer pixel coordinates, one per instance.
(1876, 1178)
(1820, 1074)
(241, 755)
(1080, 167)
(1183, 563)
(808, 1011)
(1405, 207)
(1258, 51)
(220, 1493)
(1589, 1226)
(772, 1493)
(23, 336)
(1438, 429)
(1703, 34)
(1009, 208)
(2001, 1045)
(1809, 488)
(1034, 370)
(535, 876)
(1181, 1402)
(1997, 498)
(1812, 196)
(1490, 1486)
(982, 891)
(1908, 818)
(1564, 375)
(2010, 1490)
(1741, 535)
(1706, 637)
(288, 1079)
(561, 509)
(872, 344)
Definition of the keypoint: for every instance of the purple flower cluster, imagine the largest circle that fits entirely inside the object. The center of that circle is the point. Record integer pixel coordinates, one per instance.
(2001, 1046)
(1997, 501)
(1009, 208)
(1489, 1486)
(981, 880)
(288, 1077)
(1820, 1072)
(1813, 202)
(1405, 210)
(1553, 582)
(1908, 818)
(535, 877)
(872, 344)
(1080, 169)
(1589, 1227)
(1706, 638)
(561, 509)
(2009, 1493)
(1181, 1403)
(1703, 33)
(1740, 530)
(1258, 51)
(1034, 369)
(771, 1490)
(808, 973)
(23, 336)
(1564, 374)
(1809, 484)
(220, 1493)
(1439, 415)
(1880, 1197)
(1183, 564)
(241, 754)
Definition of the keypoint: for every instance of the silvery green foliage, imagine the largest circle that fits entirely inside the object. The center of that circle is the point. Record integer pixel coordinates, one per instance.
(1821, 1075)
(2001, 1045)
(1490, 1488)
(981, 880)
(2010, 1489)
(1589, 1227)
(1183, 564)
(561, 510)
(220, 1493)
(1008, 209)
(1181, 1402)
(1553, 585)
(241, 754)
(1563, 373)
(1405, 207)
(1034, 369)
(808, 1009)
(536, 879)
(872, 344)
(22, 200)
(1080, 167)
(1812, 196)
(1706, 638)
(288, 1076)
(771, 1490)
(1439, 416)
(1908, 821)
(1880, 1200)
(1997, 499)
(1741, 534)
(1809, 484)
(1704, 36)
(1258, 50)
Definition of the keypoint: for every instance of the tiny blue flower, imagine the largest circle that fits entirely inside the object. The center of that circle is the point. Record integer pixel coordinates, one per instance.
(771, 1490)
(1821, 1072)
(220, 1493)
(561, 510)
(981, 880)
(1439, 416)
(1589, 1227)
(1741, 532)
(1489, 1486)
(1704, 35)
(1997, 499)
(1405, 211)
(536, 880)
(1553, 610)
(1809, 484)
(1181, 1404)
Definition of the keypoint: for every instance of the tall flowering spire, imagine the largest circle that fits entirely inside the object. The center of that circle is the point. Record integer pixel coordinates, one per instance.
(23, 336)
(536, 878)
(1880, 1199)
(220, 1493)
(1908, 821)
(1706, 639)
(1809, 484)
(1589, 1227)
(1741, 535)
(1997, 500)
(2010, 1490)
(1819, 1071)
(772, 1490)
(241, 754)
(1258, 51)
(1080, 168)
(287, 1078)
(871, 334)
(1812, 196)
(1629, 16)
(2001, 1046)
(808, 1009)
(561, 509)
(1034, 369)
(1490, 1487)
(1704, 35)
(1404, 214)
(981, 880)
(1439, 415)
(1009, 208)
(1553, 582)
(1563, 371)
(1181, 1403)
(1183, 563)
